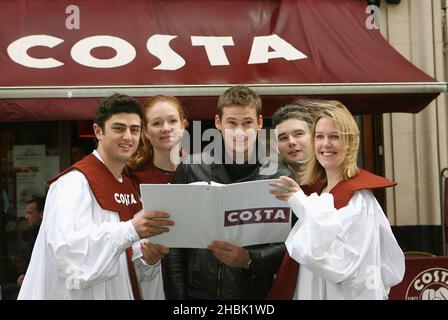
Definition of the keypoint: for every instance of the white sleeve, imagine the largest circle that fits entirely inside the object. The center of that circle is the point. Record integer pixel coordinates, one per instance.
(150, 281)
(149, 277)
(343, 245)
(144, 271)
(82, 237)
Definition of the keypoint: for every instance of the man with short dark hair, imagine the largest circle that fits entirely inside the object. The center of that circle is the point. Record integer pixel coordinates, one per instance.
(35, 210)
(92, 218)
(293, 124)
(34, 213)
(225, 271)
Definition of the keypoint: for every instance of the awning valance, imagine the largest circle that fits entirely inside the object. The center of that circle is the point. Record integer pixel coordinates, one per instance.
(58, 59)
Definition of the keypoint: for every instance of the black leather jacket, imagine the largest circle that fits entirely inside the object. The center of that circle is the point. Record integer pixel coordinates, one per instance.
(196, 273)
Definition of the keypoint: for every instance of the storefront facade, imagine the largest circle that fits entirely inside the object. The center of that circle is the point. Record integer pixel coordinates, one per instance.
(416, 145)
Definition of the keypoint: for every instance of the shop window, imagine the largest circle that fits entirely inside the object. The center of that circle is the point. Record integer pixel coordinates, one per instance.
(30, 154)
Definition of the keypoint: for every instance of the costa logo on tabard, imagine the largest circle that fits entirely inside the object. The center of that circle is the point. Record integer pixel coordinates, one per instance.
(256, 215)
(431, 284)
(126, 199)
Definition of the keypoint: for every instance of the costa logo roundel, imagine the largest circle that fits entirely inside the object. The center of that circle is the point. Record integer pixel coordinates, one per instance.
(430, 284)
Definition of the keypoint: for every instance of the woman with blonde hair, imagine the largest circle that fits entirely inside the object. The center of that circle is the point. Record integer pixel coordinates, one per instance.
(155, 161)
(342, 240)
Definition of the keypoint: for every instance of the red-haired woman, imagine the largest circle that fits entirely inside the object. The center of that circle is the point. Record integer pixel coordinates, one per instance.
(155, 161)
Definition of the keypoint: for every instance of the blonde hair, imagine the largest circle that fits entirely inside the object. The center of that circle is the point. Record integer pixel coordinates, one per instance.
(349, 135)
(145, 150)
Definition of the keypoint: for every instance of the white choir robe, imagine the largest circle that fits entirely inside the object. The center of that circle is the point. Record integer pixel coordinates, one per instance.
(80, 249)
(350, 253)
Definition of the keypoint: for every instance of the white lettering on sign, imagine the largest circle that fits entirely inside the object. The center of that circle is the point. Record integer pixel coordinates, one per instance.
(260, 50)
(125, 52)
(428, 277)
(126, 199)
(158, 45)
(18, 51)
(214, 48)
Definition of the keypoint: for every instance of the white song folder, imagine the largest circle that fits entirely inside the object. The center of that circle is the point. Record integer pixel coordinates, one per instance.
(242, 214)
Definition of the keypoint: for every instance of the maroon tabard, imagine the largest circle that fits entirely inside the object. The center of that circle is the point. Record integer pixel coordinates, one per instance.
(285, 283)
(112, 195)
(149, 173)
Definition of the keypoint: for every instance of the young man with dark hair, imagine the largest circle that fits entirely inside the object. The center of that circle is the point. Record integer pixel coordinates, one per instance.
(225, 271)
(91, 220)
(293, 124)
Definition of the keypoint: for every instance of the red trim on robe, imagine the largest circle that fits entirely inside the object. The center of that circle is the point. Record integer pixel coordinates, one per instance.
(286, 281)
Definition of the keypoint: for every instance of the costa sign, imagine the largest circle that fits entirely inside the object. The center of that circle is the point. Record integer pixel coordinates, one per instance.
(84, 49)
(430, 284)
(256, 215)
(264, 48)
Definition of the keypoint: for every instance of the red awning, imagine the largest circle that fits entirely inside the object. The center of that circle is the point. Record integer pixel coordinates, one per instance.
(56, 66)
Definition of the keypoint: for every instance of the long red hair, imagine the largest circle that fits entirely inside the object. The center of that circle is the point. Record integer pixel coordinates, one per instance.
(145, 150)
